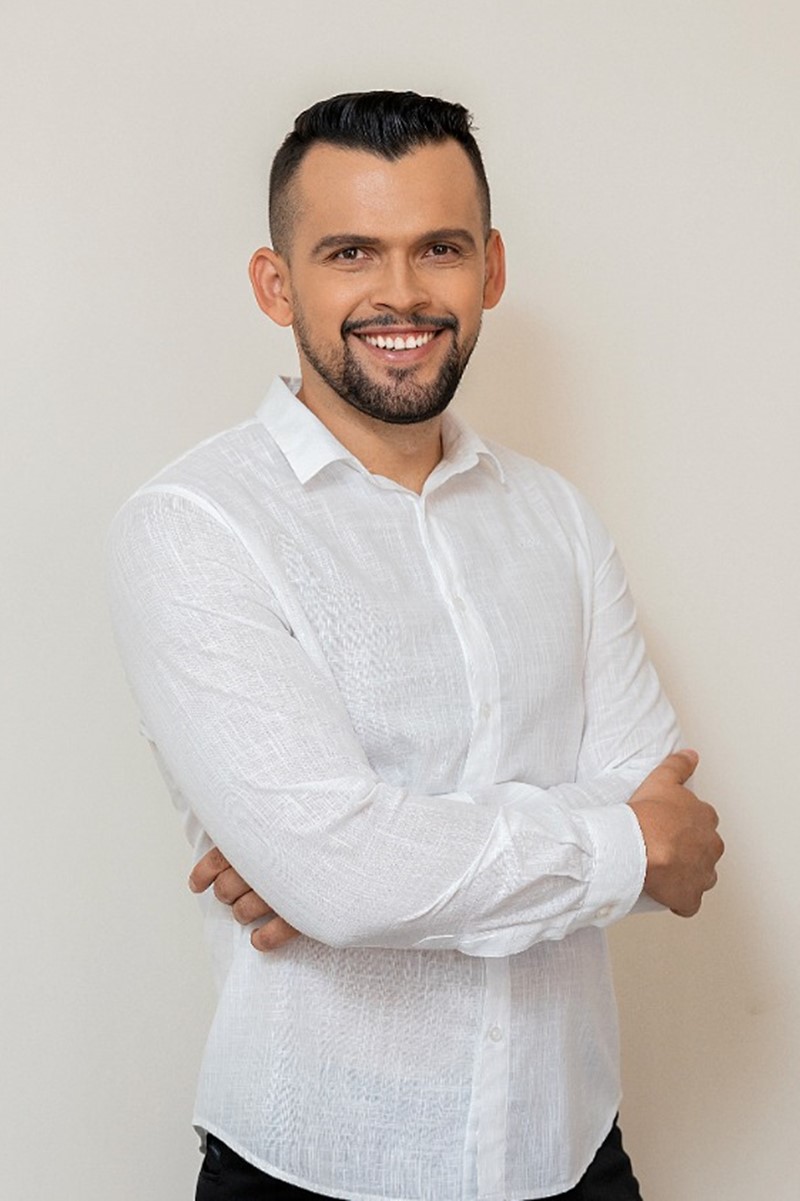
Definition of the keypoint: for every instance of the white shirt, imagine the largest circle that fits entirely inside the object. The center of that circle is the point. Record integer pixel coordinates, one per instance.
(410, 722)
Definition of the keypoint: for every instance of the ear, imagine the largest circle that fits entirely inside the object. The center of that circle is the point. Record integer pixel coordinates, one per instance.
(495, 278)
(269, 276)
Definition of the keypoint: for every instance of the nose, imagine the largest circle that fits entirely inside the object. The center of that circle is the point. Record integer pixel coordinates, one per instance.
(399, 286)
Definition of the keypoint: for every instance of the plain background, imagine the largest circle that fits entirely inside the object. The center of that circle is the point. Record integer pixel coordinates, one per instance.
(645, 168)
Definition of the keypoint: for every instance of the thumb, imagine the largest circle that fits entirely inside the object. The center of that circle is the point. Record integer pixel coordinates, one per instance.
(680, 765)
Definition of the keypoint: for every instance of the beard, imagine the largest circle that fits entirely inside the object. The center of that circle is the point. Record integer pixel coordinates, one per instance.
(402, 401)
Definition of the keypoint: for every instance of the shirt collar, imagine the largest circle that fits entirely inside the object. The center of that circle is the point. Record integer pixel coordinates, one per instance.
(462, 449)
(308, 445)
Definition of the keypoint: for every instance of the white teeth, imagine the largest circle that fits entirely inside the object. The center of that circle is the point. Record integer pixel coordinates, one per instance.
(411, 342)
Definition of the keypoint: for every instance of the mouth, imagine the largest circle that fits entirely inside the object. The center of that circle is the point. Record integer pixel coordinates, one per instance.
(398, 345)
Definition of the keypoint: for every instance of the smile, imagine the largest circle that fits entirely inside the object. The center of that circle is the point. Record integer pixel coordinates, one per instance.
(400, 342)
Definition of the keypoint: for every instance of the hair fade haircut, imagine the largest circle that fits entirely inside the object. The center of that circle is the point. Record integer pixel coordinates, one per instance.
(389, 124)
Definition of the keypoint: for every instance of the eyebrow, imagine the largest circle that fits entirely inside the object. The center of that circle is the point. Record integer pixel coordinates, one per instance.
(342, 241)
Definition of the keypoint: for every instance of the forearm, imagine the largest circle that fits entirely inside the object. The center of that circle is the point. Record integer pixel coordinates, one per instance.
(351, 860)
(260, 745)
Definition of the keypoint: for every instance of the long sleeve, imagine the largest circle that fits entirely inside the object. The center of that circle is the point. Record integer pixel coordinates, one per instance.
(259, 741)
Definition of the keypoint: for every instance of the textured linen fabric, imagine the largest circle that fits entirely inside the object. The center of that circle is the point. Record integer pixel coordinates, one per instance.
(225, 1176)
(410, 722)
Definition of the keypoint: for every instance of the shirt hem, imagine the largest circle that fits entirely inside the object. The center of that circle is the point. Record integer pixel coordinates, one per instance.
(289, 1178)
(526, 1194)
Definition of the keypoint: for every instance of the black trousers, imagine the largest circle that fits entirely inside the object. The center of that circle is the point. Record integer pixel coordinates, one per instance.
(225, 1176)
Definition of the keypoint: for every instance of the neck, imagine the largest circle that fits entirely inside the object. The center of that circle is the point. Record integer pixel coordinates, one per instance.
(406, 454)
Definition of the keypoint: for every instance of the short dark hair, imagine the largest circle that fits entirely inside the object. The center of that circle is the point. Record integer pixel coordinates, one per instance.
(389, 124)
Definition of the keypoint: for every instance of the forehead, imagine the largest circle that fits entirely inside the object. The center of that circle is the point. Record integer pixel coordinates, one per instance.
(339, 190)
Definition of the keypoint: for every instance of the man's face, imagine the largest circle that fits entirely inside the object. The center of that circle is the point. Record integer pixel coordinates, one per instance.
(388, 273)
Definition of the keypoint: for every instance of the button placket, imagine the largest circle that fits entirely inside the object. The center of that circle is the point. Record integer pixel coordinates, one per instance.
(478, 650)
(492, 1084)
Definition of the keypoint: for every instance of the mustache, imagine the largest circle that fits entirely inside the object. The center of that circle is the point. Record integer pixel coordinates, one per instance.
(389, 319)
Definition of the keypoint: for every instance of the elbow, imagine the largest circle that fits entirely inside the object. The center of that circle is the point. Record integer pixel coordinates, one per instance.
(343, 930)
(357, 925)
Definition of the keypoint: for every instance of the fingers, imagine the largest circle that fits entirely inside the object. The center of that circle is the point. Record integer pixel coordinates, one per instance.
(229, 887)
(249, 908)
(275, 933)
(690, 907)
(206, 870)
(245, 905)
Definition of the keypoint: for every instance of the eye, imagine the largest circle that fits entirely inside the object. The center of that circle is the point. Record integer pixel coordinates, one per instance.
(348, 254)
(443, 252)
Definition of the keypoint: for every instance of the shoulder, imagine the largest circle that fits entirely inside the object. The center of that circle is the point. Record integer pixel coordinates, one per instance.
(555, 498)
(218, 466)
(219, 480)
(190, 510)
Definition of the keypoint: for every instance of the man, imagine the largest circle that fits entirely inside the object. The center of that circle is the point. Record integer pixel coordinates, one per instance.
(393, 675)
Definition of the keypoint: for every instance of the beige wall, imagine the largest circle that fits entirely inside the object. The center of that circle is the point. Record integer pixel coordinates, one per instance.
(645, 168)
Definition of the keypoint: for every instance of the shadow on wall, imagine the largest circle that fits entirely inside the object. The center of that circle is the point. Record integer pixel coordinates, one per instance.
(698, 1010)
(519, 390)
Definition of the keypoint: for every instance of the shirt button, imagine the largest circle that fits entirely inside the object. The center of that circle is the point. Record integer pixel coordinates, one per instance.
(495, 1034)
(459, 603)
(486, 710)
(604, 911)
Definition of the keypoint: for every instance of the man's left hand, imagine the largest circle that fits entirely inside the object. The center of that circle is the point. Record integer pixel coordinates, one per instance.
(245, 904)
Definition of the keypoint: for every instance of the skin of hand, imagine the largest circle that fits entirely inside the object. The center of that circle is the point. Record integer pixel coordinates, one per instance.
(246, 905)
(679, 831)
(680, 835)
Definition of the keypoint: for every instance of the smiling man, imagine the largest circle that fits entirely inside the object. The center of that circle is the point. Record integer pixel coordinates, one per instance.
(393, 678)
(383, 271)
(391, 266)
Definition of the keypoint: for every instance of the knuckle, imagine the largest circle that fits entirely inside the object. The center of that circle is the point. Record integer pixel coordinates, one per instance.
(224, 888)
(248, 908)
(216, 860)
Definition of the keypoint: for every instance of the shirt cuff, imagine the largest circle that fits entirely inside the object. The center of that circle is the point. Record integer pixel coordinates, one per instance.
(620, 862)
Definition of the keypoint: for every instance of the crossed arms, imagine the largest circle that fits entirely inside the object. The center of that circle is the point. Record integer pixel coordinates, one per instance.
(262, 749)
(679, 831)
